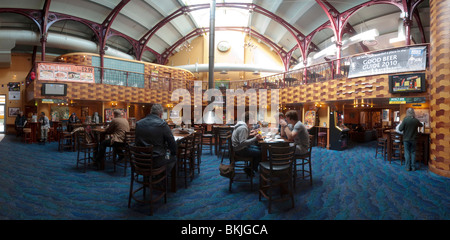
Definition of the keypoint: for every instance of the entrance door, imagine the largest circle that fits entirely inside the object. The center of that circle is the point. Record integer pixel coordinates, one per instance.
(2, 113)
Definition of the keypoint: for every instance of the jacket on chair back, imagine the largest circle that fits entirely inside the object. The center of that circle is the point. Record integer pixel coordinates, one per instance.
(152, 130)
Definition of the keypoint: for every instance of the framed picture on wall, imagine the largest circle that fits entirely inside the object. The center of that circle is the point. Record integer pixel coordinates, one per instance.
(84, 111)
(13, 111)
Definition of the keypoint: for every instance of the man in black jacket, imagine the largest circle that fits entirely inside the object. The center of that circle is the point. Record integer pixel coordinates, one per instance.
(409, 127)
(152, 130)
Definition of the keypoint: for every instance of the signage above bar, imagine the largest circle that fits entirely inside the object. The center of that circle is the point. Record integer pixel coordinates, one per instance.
(65, 72)
(405, 59)
(403, 100)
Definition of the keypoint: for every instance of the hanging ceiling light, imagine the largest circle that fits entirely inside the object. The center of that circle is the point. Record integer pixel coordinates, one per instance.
(186, 46)
(249, 44)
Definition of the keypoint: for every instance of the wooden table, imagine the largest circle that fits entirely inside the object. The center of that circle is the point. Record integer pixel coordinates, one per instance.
(178, 138)
(99, 135)
(34, 131)
(422, 146)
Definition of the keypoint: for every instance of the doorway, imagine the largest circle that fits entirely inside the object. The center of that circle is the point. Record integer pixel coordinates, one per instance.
(2, 113)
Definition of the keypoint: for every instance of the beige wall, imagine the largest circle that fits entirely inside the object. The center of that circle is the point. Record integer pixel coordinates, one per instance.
(261, 55)
(20, 66)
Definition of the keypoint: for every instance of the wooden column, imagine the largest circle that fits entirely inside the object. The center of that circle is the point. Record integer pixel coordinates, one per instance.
(440, 87)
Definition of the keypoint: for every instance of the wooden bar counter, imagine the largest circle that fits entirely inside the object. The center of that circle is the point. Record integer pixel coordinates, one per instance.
(422, 146)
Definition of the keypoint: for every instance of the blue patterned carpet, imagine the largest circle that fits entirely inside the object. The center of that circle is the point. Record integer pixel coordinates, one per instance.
(38, 182)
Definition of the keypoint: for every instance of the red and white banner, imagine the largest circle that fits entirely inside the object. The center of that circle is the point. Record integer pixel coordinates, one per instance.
(65, 72)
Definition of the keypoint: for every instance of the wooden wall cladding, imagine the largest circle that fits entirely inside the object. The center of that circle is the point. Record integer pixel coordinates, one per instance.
(440, 88)
(105, 93)
(152, 93)
(343, 89)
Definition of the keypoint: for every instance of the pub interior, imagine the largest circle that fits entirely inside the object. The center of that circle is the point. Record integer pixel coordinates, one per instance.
(350, 105)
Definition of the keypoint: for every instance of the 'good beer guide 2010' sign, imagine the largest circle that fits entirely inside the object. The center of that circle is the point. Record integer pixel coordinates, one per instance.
(407, 59)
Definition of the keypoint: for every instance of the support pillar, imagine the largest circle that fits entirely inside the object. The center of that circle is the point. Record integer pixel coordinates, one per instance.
(43, 44)
(440, 87)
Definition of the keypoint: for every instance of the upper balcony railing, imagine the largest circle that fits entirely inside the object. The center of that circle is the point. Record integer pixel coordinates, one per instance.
(335, 69)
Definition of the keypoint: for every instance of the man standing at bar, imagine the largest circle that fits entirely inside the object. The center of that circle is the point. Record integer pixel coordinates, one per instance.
(409, 127)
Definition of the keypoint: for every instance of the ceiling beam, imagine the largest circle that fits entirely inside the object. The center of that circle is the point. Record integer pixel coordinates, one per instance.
(251, 7)
(107, 23)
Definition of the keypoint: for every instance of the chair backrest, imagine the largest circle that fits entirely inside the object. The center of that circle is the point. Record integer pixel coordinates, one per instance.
(396, 137)
(141, 159)
(130, 137)
(311, 140)
(281, 154)
(80, 137)
(186, 145)
(198, 138)
(223, 132)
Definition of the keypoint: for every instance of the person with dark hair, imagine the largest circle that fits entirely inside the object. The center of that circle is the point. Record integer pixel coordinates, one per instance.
(20, 122)
(45, 125)
(153, 130)
(117, 129)
(243, 142)
(409, 127)
(280, 116)
(72, 119)
(295, 131)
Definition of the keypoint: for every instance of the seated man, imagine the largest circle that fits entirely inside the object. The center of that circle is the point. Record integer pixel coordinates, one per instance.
(244, 146)
(117, 129)
(152, 130)
(295, 131)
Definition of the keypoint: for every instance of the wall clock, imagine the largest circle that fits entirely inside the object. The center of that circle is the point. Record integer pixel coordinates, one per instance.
(223, 46)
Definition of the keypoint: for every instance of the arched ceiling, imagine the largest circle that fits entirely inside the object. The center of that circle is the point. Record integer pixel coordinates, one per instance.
(150, 29)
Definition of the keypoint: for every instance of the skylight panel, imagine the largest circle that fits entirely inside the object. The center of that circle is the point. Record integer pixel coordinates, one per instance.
(225, 17)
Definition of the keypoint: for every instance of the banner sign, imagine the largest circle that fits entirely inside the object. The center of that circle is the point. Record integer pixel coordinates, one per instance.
(407, 59)
(406, 100)
(65, 72)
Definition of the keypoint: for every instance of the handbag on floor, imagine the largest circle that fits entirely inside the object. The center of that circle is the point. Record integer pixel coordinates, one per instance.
(226, 170)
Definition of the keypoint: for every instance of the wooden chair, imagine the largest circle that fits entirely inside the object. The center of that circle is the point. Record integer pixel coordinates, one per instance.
(322, 139)
(277, 173)
(120, 153)
(222, 141)
(27, 135)
(86, 147)
(396, 147)
(381, 147)
(185, 158)
(240, 163)
(51, 135)
(208, 138)
(65, 141)
(143, 172)
(197, 155)
(302, 160)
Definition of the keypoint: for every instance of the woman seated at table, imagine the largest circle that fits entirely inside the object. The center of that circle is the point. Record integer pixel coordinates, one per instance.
(244, 143)
(295, 131)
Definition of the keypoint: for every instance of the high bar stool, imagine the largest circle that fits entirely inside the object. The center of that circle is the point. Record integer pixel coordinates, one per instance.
(322, 139)
(27, 135)
(396, 147)
(381, 147)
